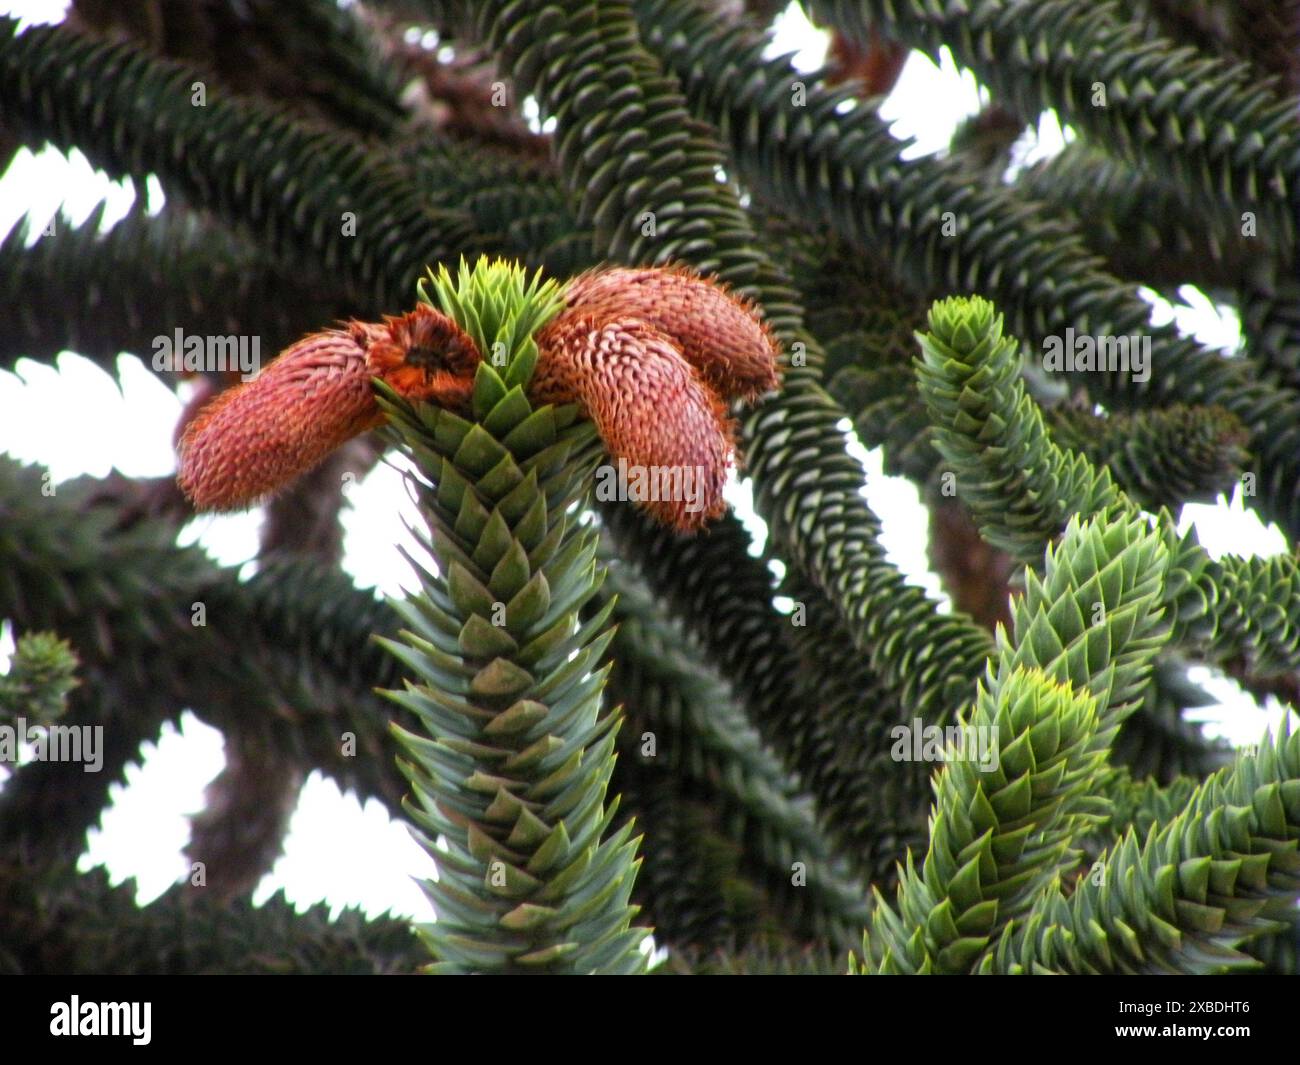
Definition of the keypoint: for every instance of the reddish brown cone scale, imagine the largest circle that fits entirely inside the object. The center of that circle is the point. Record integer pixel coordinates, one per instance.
(260, 436)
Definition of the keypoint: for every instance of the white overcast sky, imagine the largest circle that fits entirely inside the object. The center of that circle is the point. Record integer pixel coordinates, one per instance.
(77, 420)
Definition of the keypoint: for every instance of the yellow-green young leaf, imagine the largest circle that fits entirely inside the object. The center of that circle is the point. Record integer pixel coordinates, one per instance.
(1194, 878)
(556, 848)
(505, 808)
(489, 388)
(488, 783)
(479, 451)
(527, 915)
(510, 410)
(1255, 867)
(502, 878)
(480, 752)
(534, 753)
(547, 955)
(484, 847)
(529, 830)
(1197, 918)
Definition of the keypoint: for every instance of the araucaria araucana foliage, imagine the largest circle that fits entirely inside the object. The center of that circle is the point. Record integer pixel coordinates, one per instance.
(582, 266)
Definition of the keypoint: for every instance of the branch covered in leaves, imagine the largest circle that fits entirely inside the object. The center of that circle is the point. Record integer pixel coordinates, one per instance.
(512, 754)
(58, 922)
(1001, 834)
(283, 657)
(1200, 119)
(1022, 487)
(102, 293)
(841, 168)
(299, 188)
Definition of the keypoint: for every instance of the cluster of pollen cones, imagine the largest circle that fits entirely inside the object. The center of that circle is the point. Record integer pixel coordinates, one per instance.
(652, 356)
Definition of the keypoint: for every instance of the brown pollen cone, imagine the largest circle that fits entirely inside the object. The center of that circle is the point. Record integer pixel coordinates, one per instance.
(670, 430)
(718, 332)
(259, 436)
(262, 435)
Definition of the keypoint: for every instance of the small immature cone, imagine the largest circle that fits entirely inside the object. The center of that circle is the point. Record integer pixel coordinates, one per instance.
(649, 406)
(717, 332)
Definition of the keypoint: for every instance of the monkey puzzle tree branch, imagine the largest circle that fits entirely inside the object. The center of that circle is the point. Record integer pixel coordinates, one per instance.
(59, 922)
(703, 746)
(1143, 226)
(617, 101)
(1188, 895)
(512, 754)
(318, 58)
(844, 170)
(1201, 120)
(245, 656)
(100, 294)
(298, 188)
(1001, 833)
